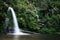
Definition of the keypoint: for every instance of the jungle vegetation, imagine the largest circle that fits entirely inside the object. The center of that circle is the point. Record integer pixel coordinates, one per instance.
(42, 16)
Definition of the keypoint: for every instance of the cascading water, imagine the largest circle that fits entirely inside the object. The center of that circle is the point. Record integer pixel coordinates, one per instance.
(37, 17)
(17, 31)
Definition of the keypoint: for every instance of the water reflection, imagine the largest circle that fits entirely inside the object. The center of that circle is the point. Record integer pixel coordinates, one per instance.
(16, 37)
(30, 37)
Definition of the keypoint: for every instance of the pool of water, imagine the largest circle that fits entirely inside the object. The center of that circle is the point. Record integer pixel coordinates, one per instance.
(30, 37)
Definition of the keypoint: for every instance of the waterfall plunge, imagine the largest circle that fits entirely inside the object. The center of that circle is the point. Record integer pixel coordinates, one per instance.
(17, 31)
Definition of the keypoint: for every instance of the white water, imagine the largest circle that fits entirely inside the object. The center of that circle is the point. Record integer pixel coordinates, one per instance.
(17, 30)
(37, 17)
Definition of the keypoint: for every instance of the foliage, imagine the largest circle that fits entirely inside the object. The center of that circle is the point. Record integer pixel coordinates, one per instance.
(47, 20)
(49, 16)
(25, 11)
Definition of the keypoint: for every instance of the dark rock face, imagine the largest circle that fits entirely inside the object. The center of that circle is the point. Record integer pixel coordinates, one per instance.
(8, 29)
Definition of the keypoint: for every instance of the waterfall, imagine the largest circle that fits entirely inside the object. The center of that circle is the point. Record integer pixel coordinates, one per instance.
(17, 30)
